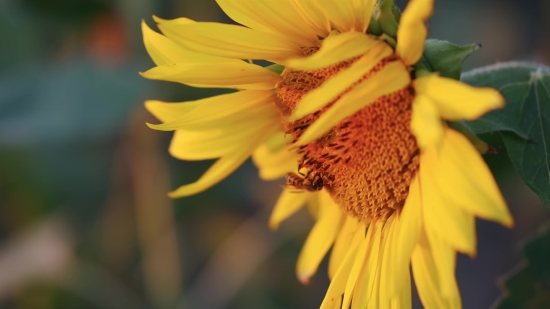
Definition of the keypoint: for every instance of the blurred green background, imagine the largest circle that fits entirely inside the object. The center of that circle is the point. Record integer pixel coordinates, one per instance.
(85, 221)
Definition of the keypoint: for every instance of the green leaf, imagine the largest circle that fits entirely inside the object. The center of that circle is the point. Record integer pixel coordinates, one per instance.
(524, 123)
(445, 57)
(528, 285)
(494, 122)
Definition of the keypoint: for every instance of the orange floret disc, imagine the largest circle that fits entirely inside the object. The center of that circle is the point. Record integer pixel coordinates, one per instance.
(368, 160)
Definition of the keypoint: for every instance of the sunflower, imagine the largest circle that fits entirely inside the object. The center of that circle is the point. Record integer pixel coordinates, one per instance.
(355, 122)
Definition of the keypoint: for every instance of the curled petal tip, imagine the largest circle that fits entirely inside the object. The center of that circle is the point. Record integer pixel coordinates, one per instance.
(273, 225)
(158, 127)
(304, 278)
(508, 222)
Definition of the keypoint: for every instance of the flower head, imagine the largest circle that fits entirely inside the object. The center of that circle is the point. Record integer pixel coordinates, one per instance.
(356, 124)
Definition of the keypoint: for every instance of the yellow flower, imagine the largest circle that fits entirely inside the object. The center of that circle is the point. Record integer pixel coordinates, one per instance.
(360, 133)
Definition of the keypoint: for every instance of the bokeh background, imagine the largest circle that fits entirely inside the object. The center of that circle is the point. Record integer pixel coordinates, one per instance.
(85, 221)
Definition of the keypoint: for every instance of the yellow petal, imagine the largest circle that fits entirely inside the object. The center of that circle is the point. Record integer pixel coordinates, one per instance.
(407, 234)
(456, 100)
(336, 48)
(172, 22)
(223, 119)
(239, 75)
(427, 278)
(208, 140)
(169, 111)
(404, 298)
(336, 85)
(313, 205)
(352, 15)
(213, 140)
(465, 179)
(387, 272)
(443, 217)
(197, 145)
(226, 109)
(367, 248)
(391, 78)
(224, 166)
(287, 204)
(320, 238)
(364, 14)
(342, 244)
(425, 122)
(231, 41)
(412, 32)
(333, 297)
(313, 16)
(203, 145)
(163, 51)
(279, 17)
(274, 165)
(371, 290)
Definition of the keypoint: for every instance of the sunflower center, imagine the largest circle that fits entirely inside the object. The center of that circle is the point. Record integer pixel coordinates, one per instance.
(368, 160)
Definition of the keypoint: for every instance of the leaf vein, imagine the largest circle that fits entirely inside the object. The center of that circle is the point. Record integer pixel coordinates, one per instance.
(539, 115)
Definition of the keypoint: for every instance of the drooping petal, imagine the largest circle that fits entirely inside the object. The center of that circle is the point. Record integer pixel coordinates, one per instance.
(340, 13)
(403, 299)
(163, 51)
(172, 22)
(240, 75)
(313, 205)
(346, 16)
(333, 297)
(231, 41)
(227, 164)
(365, 294)
(465, 179)
(279, 17)
(407, 234)
(196, 143)
(456, 100)
(169, 111)
(213, 127)
(226, 109)
(387, 271)
(425, 122)
(320, 238)
(223, 119)
(443, 217)
(287, 204)
(274, 164)
(336, 85)
(342, 244)
(366, 248)
(427, 276)
(391, 78)
(217, 172)
(334, 49)
(365, 13)
(412, 31)
(313, 16)
(204, 145)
